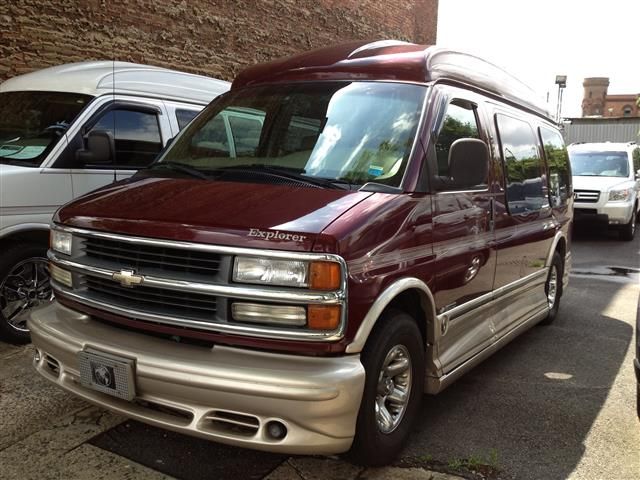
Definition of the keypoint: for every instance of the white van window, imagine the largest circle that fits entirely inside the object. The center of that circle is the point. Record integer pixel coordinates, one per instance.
(523, 165)
(185, 116)
(31, 123)
(136, 134)
(558, 164)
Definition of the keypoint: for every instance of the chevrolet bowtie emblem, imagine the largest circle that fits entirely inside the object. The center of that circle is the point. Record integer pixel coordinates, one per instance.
(127, 278)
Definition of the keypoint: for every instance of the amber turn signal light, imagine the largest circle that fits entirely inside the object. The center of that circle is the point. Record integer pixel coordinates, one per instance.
(324, 276)
(323, 317)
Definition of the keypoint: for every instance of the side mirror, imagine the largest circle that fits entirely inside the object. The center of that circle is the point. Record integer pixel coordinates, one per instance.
(638, 174)
(468, 163)
(100, 148)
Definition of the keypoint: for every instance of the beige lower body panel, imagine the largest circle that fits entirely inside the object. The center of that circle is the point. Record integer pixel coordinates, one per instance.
(189, 389)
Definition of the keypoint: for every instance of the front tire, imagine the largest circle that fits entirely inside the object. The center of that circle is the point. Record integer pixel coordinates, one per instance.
(553, 288)
(628, 231)
(24, 284)
(393, 359)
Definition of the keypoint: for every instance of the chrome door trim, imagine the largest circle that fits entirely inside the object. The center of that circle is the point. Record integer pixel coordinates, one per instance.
(435, 385)
(457, 312)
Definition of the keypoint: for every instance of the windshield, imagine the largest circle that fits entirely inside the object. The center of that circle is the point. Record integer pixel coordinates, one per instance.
(600, 164)
(354, 132)
(31, 123)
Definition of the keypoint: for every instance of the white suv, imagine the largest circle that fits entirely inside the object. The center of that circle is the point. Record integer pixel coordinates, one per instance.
(606, 186)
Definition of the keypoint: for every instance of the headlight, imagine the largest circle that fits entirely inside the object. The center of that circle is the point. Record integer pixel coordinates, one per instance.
(286, 273)
(619, 195)
(319, 275)
(61, 241)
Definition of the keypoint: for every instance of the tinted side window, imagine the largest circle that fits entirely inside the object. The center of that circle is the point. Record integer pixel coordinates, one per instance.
(523, 165)
(211, 140)
(137, 136)
(558, 163)
(184, 117)
(246, 135)
(460, 121)
(636, 159)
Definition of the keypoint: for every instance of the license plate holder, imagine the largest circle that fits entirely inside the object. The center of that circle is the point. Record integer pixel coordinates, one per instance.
(107, 373)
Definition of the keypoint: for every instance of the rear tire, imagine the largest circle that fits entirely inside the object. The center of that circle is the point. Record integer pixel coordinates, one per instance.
(24, 284)
(393, 359)
(553, 288)
(628, 231)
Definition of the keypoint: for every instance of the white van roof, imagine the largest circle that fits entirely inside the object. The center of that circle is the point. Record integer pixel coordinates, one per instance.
(103, 77)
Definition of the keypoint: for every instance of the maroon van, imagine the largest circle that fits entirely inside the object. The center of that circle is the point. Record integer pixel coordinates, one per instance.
(341, 232)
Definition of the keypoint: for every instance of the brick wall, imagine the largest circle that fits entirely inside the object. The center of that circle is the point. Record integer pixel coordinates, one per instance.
(215, 38)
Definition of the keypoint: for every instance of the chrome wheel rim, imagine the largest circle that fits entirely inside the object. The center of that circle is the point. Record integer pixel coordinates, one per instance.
(633, 223)
(24, 288)
(552, 286)
(394, 389)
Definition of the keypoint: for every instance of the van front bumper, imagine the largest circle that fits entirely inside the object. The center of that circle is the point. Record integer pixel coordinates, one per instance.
(222, 393)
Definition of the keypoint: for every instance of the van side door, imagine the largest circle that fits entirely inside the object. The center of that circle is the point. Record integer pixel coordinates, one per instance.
(462, 232)
(524, 224)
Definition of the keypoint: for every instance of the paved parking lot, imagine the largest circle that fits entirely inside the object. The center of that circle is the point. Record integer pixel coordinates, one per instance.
(559, 402)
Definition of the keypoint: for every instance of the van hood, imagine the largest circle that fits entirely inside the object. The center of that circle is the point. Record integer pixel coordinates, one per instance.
(601, 184)
(224, 213)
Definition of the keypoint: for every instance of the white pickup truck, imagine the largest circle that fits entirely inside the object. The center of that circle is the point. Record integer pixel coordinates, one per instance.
(48, 122)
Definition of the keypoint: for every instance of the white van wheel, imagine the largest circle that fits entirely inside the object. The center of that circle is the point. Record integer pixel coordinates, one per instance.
(24, 285)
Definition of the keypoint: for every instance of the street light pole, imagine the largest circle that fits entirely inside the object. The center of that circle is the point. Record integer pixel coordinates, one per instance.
(561, 81)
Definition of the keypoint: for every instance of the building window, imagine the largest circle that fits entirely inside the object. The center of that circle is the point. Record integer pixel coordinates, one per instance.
(627, 110)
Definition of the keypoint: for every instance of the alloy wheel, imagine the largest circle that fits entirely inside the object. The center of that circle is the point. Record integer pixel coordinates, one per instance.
(24, 288)
(394, 389)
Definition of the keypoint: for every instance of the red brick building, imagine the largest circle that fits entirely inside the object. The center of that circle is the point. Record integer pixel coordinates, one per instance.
(216, 38)
(597, 101)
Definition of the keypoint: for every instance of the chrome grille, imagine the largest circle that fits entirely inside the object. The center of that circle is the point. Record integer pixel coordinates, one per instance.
(192, 305)
(587, 196)
(140, 258)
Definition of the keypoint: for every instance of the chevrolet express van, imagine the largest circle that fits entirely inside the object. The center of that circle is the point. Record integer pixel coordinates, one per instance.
(46, 118)
(395, 215)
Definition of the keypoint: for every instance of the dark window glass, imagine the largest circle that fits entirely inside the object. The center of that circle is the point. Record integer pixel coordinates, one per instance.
(348, 131)
(558, 163)
(246, 131)
(31, 123)
(185, 116)
(460, 121)
(523, 165)
(212, 140)
(136, 134)
(636, 160)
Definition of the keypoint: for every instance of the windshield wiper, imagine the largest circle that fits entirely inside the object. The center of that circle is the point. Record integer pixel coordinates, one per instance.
(180, 167)
(284, 172)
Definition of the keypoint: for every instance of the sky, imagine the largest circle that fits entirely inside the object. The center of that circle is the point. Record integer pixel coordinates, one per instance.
(535, 40)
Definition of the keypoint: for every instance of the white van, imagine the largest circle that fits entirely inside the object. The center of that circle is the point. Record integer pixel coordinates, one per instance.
(51, 121)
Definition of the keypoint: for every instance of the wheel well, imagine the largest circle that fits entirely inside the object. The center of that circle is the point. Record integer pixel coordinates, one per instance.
(414, 303)
(561, 248)
(27, 236)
